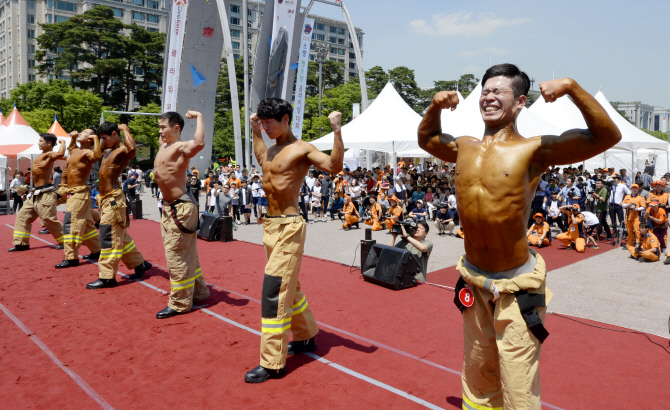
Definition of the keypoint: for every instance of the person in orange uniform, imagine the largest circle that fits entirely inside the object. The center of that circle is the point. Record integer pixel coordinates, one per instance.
(376, 211)
(657, 192)
(339, 182)
(394, 212)
(657, 219)
(543, 233)
(351, 215)
(574, 237)
(633, 204)
(460, 232)
(648, 248)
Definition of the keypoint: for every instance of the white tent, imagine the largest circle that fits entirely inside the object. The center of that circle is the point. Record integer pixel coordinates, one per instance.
(16, 135)
(4, 178)
(562, 113)
(467, 120)
(352, 158)
(388, 125)
(414, 153)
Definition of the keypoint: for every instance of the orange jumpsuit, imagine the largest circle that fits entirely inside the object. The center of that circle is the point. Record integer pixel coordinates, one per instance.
(351, 215)
(633, 216)
(375, 209)
(662, 198)
(540, 229)
(339, 185)
(460, 233)
(575, 232)
(394, 211)
(648, 241)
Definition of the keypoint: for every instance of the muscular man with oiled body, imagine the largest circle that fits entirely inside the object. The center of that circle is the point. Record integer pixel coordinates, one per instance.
(115, 242)
(43, 201)
(179, 219)
(78, 224)
(496, 179)
(285, 165)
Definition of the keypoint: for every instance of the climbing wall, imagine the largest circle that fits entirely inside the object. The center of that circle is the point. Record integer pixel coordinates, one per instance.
(201, 60)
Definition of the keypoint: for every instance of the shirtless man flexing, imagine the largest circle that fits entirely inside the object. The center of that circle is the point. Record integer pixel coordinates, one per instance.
(115, 242)
(78, 224)
(179, 219)
(496, 179)
(285, 165)
(43, 200)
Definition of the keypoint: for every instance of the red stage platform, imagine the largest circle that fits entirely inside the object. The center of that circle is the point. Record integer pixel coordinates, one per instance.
(64, 346)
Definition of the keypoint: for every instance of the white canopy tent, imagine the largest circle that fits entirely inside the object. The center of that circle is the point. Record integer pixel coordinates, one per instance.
(352, 158)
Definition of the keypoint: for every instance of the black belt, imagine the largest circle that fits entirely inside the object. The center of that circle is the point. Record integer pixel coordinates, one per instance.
(280, 216)
(43, 186)
(528, 303)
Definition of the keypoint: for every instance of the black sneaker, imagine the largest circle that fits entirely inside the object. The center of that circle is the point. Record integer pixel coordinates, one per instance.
(140, 271)
(262, 374)
(295, 347)
(19, 248)
(572, 246)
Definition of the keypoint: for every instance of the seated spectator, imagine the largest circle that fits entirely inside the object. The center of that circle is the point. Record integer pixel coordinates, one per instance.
(351, 215)
(657, 218)
(394, 213)
(418, 245)
(376, 213)
(336, 205)
(428, 199)
(383, 201)
(444, 221)
(647, 249)
(419, 213)
(574, 237)
(542, 232)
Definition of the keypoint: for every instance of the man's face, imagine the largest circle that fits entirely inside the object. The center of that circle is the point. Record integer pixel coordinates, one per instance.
(497, 103)
(244, 185)
(623, 172)
(226, 189)
(643, 230)
(599, 184)
(634, 190)
(84, 137)
(167, 132)
(372, 199)
(274, 128)
(194, 180)
(419, 205)
(538, 220)
(420, 233)
(42, 144)
(443, 210)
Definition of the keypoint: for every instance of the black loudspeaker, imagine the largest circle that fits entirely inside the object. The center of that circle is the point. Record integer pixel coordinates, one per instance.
(391, 267)
(137, 209)
(209, 227)
(226, 229)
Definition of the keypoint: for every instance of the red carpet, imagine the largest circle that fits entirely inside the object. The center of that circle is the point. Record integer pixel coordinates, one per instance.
(410, 340)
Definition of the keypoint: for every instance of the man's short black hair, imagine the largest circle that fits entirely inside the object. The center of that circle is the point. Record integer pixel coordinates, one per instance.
(174, 118)
(107, 128)
(425, 225)
(644, 225)
(520, 81)
(274, 108)
(49, 138)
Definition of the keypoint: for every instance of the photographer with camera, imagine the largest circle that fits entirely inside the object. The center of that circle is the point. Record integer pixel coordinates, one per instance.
(336, 205)
(376, 213)
(394, 214)
(600, 197)
(575, 236)
(413, 238)
(646, 247)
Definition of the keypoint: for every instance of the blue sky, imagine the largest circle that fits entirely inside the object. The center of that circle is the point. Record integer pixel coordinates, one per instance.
(623, 48)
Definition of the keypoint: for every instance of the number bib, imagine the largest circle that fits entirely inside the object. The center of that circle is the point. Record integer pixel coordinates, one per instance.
(466, 296)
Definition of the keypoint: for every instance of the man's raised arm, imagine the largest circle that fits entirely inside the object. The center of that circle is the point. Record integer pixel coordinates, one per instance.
(95, 154)
(73, 141)
(61, 150)
(431, 138)
(334, 162)
(577, 145)
(259, 145)
(128, 140)
(190, 148)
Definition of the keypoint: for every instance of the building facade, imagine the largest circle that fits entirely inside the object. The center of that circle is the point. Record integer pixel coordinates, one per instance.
(640, 114)
(661, 120)
(19, 29)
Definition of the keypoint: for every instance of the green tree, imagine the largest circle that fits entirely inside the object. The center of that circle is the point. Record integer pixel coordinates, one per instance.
(658, 134)
(40, 119)
(376, 79)
(144, 55)
(340, 99)
(333, 75)
(403, 80)
(75, 109)
(144, 128)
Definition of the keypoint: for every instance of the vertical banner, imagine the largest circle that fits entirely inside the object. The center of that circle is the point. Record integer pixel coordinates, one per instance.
(301, 77)
(356, 110)
(176, 42)
(280, 49)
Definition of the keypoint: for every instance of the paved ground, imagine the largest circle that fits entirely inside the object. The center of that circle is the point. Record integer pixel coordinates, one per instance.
(610, 287)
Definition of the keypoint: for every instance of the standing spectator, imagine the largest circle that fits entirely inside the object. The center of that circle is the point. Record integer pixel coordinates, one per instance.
(130, 187)
(194, 185)
(310, 179)
(646, 180)
(262, 203)
(619, 192)
(238, 172)
(303, 199)
(140, 178)
(326, 191)
(255, 193)
(600, 198)
(222, 200)
(234, 194)
(625, 178)
(316, 201)
(195, 172)
(57, 177)
(15, 189)
(354, 191)
(245, 201)
(154, 184)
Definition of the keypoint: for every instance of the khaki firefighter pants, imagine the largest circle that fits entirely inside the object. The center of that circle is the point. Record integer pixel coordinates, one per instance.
(633, 228)
(78, 224)
(284, 306)
(181, 252)
(43, 206)
(115, 242)
(501, 356)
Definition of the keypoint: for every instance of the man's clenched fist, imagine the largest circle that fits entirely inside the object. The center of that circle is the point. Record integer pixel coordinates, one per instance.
(446, 100)
(335, 118)
(554, 89)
